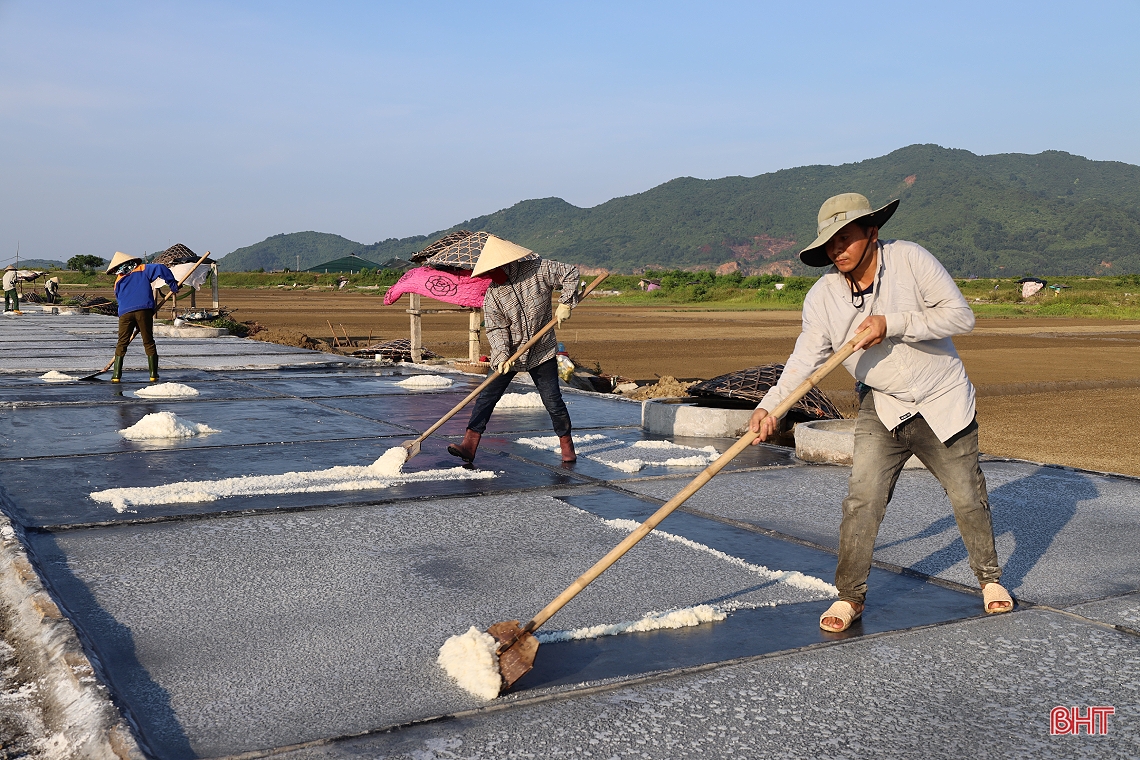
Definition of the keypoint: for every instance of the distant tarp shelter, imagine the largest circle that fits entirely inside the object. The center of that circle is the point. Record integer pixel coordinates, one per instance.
(445, 276)
(350, 264)
(181, 261)
(1031, 285)
(450, 286)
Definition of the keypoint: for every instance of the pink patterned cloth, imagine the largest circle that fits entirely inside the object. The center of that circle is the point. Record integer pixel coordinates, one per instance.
(460, 289)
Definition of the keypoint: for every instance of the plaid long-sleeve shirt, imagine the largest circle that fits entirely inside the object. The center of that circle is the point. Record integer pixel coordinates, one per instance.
(517, 309)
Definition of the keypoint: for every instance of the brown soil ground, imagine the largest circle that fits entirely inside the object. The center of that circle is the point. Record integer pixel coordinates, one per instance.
(1065, 391)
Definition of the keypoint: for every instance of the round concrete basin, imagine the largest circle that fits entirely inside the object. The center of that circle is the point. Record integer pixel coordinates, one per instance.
(831, 441)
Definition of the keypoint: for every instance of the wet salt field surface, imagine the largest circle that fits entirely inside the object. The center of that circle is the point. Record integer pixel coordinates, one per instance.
(587, 411)
(979, 688)
(1062, 536)
(757, 456)
(56, 491)
(254, 624)
(44, 431)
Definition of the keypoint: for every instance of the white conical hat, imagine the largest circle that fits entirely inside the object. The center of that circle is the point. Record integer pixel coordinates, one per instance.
(119, 259)
(498, 252)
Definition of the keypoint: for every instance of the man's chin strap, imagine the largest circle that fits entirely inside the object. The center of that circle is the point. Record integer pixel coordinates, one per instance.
(856, 291)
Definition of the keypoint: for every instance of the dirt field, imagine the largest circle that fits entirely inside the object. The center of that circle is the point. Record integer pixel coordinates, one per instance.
(1065, 391)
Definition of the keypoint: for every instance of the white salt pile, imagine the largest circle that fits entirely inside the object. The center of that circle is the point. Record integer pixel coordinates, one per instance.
(470, 659)
(425, 381)
(520, 401)
(57, 377)
(631, 457)
(166, 390)
(164, 425)
(385, 472)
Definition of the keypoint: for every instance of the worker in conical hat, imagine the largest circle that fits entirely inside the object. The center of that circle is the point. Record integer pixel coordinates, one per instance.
(11, 296)
(51, 290)
(517, 305)
(915, 398)
(133, 290)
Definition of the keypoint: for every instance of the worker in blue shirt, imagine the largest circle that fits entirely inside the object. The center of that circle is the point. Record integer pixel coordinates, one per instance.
(136, 306)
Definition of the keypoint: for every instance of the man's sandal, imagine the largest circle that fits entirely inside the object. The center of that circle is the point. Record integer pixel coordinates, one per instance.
(995, 592)
(844, 611)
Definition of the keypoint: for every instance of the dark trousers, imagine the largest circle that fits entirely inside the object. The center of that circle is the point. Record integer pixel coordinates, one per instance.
(11, 297)
(143, 321)
(545, 378)
(879, 458)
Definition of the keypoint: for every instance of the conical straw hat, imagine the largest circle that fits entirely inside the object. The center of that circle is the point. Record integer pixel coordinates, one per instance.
(119, 259)
(498, 252)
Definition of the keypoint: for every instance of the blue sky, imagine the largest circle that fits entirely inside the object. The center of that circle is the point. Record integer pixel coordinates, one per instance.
(131, 126)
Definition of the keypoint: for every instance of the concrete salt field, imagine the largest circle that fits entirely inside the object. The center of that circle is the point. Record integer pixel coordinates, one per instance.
(307, 624)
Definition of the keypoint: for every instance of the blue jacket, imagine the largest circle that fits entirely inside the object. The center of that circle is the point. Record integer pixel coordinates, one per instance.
(133, 290)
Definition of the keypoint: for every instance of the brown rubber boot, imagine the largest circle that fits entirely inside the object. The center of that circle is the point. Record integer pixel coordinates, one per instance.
(567, 444)
(465, 450)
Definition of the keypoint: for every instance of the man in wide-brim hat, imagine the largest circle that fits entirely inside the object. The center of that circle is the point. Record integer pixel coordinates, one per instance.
(135, 294)
(914, 395)
(517, 305)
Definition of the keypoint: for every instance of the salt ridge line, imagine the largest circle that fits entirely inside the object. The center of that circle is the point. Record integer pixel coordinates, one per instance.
(601, 449)
(385, 472)
(680, 617)
(791, 577)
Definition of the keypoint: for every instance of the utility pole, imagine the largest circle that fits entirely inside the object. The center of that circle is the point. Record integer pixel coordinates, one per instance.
(298, 269)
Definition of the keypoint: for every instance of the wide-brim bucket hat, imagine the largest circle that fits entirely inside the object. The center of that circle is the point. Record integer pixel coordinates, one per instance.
(497, 252)
(119, 259)
(836, 213)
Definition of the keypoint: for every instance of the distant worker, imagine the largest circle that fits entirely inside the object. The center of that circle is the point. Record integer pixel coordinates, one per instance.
(516, 306)
(136, 307)
(51, 290)
(914, 395)
(11, 297)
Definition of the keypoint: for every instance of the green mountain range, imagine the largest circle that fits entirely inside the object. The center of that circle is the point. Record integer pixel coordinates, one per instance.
(1052, 213)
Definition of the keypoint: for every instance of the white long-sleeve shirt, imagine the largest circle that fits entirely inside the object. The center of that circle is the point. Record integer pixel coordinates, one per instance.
(10, 279)
(915, 370)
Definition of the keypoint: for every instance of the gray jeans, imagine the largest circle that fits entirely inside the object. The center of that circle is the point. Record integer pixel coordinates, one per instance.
(879, 458)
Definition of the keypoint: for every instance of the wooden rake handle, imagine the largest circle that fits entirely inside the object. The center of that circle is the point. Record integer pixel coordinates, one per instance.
(158, 306)
(495, 373)
(695, 485)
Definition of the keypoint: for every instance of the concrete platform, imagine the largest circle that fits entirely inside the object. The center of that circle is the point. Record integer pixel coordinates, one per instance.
(683, 417)
(305, 625)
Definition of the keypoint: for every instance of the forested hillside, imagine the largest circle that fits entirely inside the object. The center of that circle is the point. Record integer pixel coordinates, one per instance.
(1008, 214)
(282, 251)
